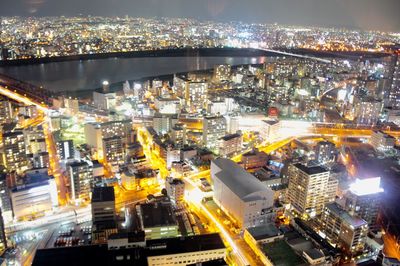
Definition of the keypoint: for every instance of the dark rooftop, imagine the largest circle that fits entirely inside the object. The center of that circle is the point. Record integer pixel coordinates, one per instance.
(185, 244)
(230, 136)
(310, 170)
(101, 194)
(157, 214)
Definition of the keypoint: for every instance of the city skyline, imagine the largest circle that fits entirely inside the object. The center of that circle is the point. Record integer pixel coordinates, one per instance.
(157, 141)
(355, 14)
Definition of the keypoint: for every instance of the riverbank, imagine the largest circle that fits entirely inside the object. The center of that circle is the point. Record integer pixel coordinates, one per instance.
(184, 52)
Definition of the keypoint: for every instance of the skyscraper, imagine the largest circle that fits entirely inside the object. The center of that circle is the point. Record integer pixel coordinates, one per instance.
(80, 174)
(214, 128)
(325, 152)
(310, 189)
(14, 151)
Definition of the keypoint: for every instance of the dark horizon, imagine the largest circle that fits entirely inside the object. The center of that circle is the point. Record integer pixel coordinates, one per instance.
(353, 14)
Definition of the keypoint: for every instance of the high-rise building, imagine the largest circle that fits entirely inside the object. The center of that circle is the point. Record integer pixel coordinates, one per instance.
(382, 141)
(363, 199)
(342, 229)
(178, 135)
(367, 110)
(230, 144)
(65, 149)
(162, 123)
(214, 128)
(80, 174)
(310, 189)
(113, 151)
(96, 132)
(394, 92)
(103, 208)
(14, 151)
(3, 237)
(196, 95)
(325, 152)
(222, 73)
(5, 199)
(271, 130)
(233, 124)
(175, 189)
(6, 112)
(240, 195)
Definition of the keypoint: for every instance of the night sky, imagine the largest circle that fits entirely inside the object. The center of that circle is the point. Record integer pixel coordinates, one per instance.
(362, 14)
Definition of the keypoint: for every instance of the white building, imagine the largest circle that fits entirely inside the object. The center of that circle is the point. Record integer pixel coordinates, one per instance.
(175, 189)
(104, 100)
(230, 144)
(36, 197)
(167, 105)
(382, 141)
(214, 128)
(270, 130)
(241, 195)
(185, 250)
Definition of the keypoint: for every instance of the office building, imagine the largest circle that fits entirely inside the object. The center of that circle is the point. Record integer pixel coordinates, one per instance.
(233, 124)
(394, 92)
(162, 124)
(325, 152)
(14, 151)
(113, 151)
(3, 237)
(367, 110)
(310, 189)
(6, 112)
(175, 189)
(65, 149)
(178, 135)
(103, 208)
(222, 73)
(173, 155)
(343, 230)
(5, 199)
(382, 141)
(132, 249)
(167, 106)
(80, 174)
(214, 128)
(96, 132)
(254, 159)
(270, 130)
(363, 199)
(239, 194)
(36, 196)
(186, 250)
(196, 95)
(230, 145)
(157, 220)
(104, 100)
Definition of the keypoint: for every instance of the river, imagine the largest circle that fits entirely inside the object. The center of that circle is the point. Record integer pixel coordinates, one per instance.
(75, 76)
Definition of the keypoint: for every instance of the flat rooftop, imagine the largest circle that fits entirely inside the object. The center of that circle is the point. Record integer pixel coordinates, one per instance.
(345, 216)
(176, 245)
(157, 214)
(311, 170)
(101, 194)
(264, 231)
(280, 254)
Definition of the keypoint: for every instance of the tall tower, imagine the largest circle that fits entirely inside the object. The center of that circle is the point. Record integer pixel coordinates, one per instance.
(310, 189)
